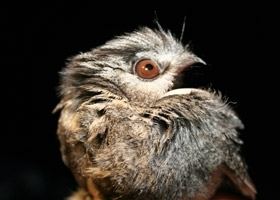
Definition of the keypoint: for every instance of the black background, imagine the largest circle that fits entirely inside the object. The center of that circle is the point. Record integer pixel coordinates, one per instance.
(37, 41)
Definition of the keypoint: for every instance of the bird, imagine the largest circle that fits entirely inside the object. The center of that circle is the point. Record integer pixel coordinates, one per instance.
(129, 129)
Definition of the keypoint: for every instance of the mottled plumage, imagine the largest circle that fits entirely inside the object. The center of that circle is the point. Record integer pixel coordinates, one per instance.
(128, 137)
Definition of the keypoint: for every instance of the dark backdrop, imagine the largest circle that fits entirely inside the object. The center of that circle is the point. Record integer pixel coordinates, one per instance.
(37, 41)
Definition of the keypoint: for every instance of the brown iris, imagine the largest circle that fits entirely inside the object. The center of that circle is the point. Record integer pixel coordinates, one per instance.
(147, 69)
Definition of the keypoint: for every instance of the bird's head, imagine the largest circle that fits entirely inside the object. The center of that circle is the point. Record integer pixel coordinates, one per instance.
(142, 65)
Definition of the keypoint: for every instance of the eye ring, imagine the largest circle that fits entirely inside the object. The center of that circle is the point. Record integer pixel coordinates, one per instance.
(146, 69)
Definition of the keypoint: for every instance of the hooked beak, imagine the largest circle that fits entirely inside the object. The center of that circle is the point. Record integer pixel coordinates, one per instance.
(186, 74)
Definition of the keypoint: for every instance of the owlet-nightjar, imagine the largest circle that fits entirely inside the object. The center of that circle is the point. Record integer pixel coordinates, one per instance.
(129, 131)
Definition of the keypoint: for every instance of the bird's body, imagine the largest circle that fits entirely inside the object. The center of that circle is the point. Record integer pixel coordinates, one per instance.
(127, 134)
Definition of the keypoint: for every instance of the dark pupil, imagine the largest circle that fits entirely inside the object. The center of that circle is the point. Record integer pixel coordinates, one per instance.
(149, 67)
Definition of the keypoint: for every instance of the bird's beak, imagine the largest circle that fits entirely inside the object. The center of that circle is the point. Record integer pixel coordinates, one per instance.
(191, 61)
(181, 72)
(182, 91)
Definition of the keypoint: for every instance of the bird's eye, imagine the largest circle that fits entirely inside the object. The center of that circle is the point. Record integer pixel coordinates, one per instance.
(147, 69)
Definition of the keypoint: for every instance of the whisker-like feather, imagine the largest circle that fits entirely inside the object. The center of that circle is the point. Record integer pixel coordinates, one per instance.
(183, 29)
